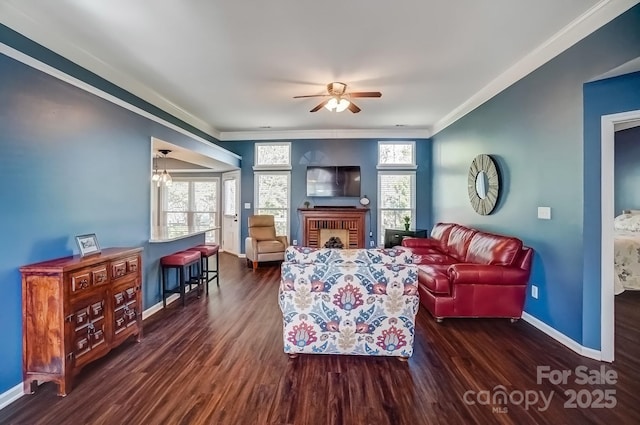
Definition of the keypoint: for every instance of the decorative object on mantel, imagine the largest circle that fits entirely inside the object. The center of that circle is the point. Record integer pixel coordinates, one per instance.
(407, 222)
(364, 201)
(307, 204)
(88, 244)
(163, 177)
(483, 184)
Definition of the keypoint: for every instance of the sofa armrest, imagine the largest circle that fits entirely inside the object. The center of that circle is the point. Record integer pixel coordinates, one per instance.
(485, 274)
(251, 248)
(411, 242)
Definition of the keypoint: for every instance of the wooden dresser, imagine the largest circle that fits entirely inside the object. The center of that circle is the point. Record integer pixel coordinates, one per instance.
(76, 310)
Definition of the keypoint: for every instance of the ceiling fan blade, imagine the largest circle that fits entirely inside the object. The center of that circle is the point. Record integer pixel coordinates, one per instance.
(317, 108)
(353, 108)
(310, 95)
(365, 94)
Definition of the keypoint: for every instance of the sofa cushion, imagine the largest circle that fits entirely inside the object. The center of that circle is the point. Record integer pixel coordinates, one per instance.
(433, 258)
(487, 248)
(263, 233)
(441, 232)
(266, 247)
(435, 278)
(458, 241)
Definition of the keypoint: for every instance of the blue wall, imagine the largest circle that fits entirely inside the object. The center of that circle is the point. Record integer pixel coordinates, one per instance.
(534, 129)
(362, 152)
(627, 170)
(71, 163)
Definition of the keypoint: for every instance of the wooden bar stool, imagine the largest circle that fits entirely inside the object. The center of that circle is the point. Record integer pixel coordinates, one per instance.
(207, 274)
(183, 262)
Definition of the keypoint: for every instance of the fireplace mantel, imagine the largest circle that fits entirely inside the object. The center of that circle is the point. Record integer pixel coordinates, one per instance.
(351, 220)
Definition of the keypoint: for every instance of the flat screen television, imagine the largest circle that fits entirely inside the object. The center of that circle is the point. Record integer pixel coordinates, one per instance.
(333, 181)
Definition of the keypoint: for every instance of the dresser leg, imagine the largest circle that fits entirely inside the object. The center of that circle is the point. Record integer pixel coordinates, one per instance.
(27, 386)
(64, 386)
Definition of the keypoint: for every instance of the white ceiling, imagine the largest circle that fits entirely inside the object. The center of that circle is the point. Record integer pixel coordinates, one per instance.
(231, 68)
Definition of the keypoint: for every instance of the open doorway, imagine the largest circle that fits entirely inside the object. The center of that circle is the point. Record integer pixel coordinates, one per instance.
(609, 123)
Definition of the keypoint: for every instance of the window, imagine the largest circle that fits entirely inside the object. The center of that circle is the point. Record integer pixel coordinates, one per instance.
(272, 197)
(272, 188)
(230, 207)
(396, 155)
(275, 155)
(396, 185)
(191, 202)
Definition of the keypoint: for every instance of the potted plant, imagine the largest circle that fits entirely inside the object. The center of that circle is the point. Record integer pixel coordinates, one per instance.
(407, 222)
(307, 204)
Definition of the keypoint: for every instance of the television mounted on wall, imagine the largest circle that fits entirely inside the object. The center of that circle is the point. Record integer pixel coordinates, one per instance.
(325, 181)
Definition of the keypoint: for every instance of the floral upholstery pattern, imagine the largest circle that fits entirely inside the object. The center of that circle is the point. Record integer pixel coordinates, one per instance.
(305, 255)
(348, 301)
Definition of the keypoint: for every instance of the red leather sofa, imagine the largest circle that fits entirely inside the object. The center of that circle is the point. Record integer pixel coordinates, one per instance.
(463, 272)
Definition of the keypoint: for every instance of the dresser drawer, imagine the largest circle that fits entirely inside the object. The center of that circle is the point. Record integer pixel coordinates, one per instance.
(124, 267)
(132, 265)
(118, 269)
(85, 279)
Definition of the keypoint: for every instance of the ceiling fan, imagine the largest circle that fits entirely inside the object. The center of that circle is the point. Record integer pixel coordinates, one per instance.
(339, 99)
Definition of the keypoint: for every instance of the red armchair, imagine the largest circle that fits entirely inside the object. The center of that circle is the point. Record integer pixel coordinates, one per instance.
(463, 272)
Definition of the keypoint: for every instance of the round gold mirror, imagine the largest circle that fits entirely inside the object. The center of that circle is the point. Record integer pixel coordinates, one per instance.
(483, 184)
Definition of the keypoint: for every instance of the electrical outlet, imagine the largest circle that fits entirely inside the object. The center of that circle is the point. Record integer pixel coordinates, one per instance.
(372, 244)
(370, 234)
(534, 291)
(295, 242)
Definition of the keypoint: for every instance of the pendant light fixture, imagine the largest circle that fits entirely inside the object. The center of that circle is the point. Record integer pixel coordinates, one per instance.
(164, 177)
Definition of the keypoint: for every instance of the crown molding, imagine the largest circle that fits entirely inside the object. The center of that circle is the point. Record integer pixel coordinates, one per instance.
(42, 34)
(594, 18)
(56, 73)
(326, 134)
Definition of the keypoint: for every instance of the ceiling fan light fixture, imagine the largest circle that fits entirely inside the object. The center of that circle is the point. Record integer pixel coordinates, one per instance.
(336, 104)
(332, 104)
(342, 105)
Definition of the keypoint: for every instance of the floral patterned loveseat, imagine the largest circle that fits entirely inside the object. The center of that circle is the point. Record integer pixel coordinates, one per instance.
(348, 301)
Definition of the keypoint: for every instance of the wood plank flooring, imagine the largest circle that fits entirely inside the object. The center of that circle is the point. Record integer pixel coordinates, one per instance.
(219, 360)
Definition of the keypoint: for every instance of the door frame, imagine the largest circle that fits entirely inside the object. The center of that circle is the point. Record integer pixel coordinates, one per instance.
(607, 213)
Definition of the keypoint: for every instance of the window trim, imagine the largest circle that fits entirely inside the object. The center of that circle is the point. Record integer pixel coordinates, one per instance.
(271, 167)
(399, 166)
(256, 192)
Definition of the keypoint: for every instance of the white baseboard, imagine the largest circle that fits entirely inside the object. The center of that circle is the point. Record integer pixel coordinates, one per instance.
(11, 395)
(562, 338)
(157, 307)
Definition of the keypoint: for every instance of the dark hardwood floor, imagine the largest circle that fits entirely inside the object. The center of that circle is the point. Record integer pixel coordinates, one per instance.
(219, 360)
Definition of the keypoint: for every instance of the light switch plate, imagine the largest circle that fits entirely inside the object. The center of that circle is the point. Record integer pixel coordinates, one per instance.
(544, 213)
(247, 205)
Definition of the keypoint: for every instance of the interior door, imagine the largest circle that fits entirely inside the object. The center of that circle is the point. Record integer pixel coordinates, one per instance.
(231, 212)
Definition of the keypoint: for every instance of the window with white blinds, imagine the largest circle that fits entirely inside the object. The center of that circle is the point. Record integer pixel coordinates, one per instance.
(192, 202)
(272, 197)
(396, 186)
(272, 185)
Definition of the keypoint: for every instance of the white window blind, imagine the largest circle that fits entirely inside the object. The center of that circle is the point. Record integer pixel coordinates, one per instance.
(192, 203)
(272, 195)
(396, 199)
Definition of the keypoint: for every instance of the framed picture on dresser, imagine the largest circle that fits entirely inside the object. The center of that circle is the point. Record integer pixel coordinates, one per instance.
(88, 244)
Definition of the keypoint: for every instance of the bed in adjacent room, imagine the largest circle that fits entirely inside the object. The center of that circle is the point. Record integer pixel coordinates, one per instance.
(627, 251)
